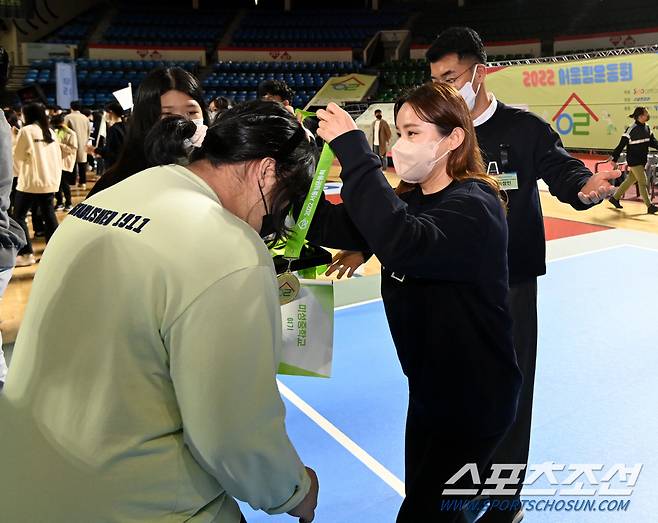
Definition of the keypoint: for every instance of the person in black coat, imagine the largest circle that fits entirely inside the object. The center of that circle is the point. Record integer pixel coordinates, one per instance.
(110, 146)
(443, 246)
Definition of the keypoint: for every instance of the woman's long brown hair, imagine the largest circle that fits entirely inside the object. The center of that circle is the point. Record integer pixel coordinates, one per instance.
(443, 106)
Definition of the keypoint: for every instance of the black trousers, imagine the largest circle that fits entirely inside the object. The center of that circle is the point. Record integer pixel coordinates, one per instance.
(383, 159)
(64, 193)
(434, 452)
(12, 195)
(44, 202)
(82, 172)
(515, 446)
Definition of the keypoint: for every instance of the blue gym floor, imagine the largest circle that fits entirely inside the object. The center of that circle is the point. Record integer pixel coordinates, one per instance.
(595, 393)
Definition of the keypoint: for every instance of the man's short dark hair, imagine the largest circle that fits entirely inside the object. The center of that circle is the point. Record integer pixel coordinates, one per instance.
(75, 105)
(463, 41)
(378, 111)
(114, 107)
(276, 88)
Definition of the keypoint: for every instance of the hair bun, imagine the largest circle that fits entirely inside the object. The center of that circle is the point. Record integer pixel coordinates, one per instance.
(165, 142)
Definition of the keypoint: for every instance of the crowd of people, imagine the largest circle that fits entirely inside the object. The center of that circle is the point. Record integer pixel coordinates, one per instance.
(163, 403)
(50, 155)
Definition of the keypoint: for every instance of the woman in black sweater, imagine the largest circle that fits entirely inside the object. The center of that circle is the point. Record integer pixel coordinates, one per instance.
(443, 248)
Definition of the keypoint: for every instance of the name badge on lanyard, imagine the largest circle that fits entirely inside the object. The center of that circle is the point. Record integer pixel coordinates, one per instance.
(508, 181)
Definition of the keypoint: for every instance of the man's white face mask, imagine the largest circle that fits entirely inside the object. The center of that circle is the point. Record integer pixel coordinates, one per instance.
(467, 91)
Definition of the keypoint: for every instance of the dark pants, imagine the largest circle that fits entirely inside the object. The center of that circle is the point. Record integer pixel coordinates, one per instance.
(383, 159)
(82, 172)
(38, 225)
(434, 452)
(44, 203)
(516, 444)
(12, 195)
(64, 193)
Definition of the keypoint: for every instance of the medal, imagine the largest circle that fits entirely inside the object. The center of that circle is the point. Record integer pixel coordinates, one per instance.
(288, 286)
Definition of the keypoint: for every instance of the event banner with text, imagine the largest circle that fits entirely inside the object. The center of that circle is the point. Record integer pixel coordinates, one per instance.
(586, 102)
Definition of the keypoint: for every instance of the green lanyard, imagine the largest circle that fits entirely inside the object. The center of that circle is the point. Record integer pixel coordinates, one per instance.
(300, 230)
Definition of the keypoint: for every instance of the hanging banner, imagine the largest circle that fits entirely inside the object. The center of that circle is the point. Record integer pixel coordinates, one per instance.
(586, 102)
(66, 83)
(39, 51)
(349, 88)
(619, 39)
(297, 54)
(144, 52)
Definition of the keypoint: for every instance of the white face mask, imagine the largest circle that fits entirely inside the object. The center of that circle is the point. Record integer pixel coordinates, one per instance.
(468, 93)
(414, 161)
(199, 135)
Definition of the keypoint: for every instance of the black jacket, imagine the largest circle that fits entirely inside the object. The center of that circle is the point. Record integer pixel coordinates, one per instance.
(449, 316)
(637, 139)
(113, 143)
(519, 141)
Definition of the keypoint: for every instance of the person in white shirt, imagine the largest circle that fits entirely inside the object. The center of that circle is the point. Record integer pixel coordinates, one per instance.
(68, 141)
(81, 126)
(38, 161)
(164, 405)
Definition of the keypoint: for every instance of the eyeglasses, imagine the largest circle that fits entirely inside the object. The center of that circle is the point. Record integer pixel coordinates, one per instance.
(451, 81)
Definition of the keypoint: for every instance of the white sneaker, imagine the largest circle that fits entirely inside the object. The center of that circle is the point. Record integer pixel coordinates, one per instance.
(82, 186)
(25, 260)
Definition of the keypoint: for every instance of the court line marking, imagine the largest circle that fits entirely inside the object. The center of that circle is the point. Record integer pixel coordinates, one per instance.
(357, 304)
(643, 247)
(375, 466)
(585, 253)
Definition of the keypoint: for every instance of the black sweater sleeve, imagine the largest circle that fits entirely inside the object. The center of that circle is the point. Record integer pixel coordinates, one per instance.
(622, 143)
(564, 174)
(332, 227)
(444, 242)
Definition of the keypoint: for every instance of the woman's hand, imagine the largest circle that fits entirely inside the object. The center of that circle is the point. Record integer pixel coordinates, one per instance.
(334, 122)
(345, 261)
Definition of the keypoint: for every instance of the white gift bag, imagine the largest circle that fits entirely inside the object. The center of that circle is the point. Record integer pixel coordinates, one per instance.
(308, 331)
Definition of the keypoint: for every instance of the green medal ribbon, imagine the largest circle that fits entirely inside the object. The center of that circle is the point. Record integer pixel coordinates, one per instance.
(300, 230)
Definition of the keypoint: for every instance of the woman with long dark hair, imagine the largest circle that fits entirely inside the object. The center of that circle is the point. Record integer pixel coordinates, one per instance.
(636, 140)
(166, 402)
(442, 241)
(38, 161)
(164, 92)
